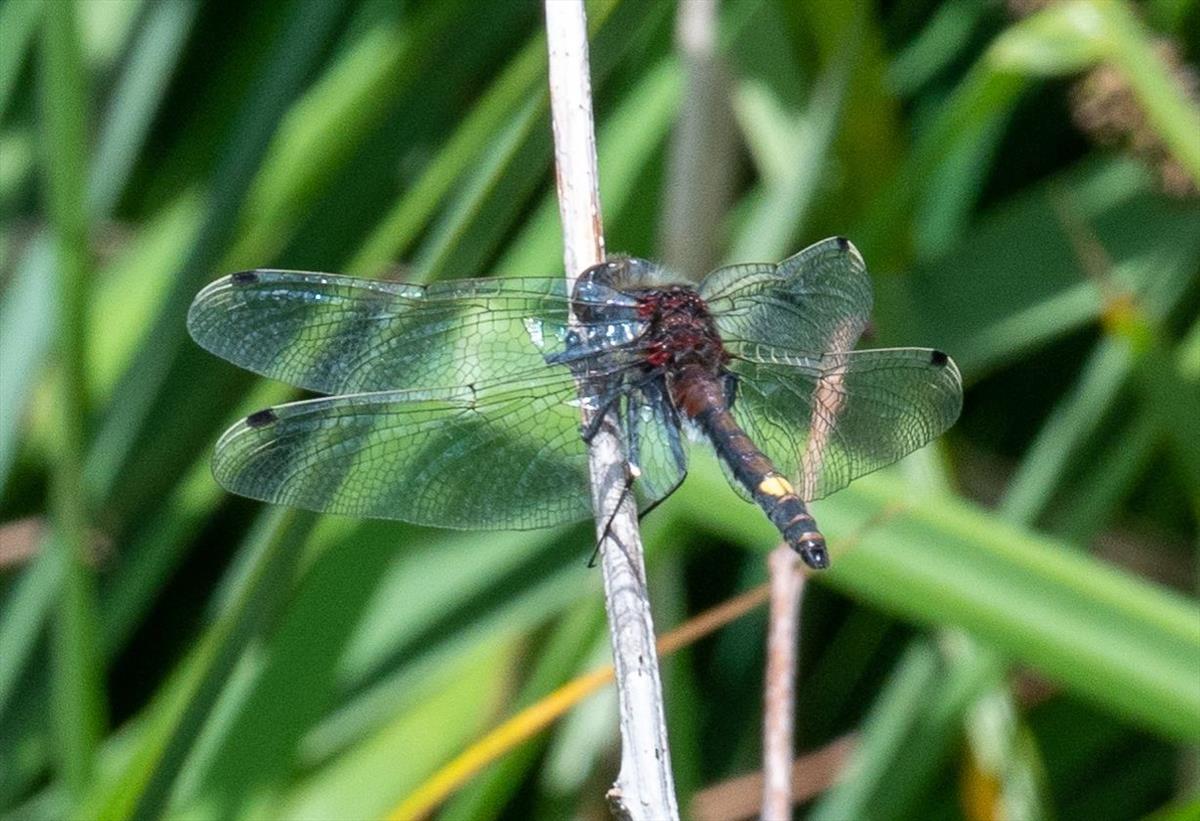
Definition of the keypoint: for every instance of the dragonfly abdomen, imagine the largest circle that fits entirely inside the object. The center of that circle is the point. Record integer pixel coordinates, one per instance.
(750, 467)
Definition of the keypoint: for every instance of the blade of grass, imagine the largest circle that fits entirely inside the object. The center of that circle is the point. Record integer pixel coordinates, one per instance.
(344, 637)
(628, 140)
(332, 119)
(511, 585)
(885, 730)
(27, 323)
(638, 124)
(1096, 499)
(293, 56)
(128, 114)
(159, 547)
(1117, 640)
(940, 42)
(1172, 400)
(903, 778)
(153, 55)
(77, 684)
(18, 25)
(172, 722)
(25, 338)
(538, 716)
(1072, 422)
(25, 607)
(576, 631)
(791, 168)
(366, 780)
(401, 225)
(513, 108)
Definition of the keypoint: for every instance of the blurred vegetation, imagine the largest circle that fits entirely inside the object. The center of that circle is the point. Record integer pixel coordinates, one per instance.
(1011, 624)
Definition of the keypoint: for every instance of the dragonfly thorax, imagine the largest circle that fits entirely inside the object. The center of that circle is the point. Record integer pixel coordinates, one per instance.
(680, 333)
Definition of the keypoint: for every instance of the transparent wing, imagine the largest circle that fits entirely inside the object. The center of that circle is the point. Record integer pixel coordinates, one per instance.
(338, 334)
(654, 445)
(826, 420)
(489, 457)
(817, 300)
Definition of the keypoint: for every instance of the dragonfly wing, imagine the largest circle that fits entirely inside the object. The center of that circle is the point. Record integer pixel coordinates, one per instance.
(490, 457)
(816, 300)
(339, 334)
(826, 420)
(654, 444)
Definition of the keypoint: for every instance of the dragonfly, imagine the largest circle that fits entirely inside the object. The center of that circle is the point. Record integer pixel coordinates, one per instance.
(461, 403)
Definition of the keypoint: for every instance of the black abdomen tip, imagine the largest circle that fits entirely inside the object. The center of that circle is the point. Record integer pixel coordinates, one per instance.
(244, 277)
(260, 419)
(842, 243)
(803, 537)
(814, 553)
(938, 358)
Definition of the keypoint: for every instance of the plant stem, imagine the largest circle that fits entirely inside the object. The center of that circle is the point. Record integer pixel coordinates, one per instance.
(779, 696)
(644, 787)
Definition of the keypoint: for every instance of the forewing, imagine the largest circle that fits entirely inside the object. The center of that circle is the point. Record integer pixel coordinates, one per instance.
(491, 458)
(826, 420)
(338, 334)
(817, 300)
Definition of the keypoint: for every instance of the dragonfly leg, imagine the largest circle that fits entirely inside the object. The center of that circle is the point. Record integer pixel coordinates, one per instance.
(673, 426)
(654, 389)
(625, 491)
(629, 418)
(589, 429)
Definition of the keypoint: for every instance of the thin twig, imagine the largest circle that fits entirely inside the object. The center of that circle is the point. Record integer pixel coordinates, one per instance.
(779, 699)
(644, 787)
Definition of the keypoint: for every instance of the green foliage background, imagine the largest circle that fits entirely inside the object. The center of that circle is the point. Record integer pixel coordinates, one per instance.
(169, 650)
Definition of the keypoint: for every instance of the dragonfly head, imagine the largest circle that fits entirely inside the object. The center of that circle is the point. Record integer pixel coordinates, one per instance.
(600, 291)
(621, 273)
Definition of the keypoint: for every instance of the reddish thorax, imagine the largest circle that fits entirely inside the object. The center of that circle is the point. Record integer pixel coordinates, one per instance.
(683, 340)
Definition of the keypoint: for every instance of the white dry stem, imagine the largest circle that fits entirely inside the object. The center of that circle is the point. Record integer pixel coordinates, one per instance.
(779, 698)
(644, 788)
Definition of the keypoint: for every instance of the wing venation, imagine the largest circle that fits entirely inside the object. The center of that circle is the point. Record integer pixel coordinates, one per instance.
(826, 420)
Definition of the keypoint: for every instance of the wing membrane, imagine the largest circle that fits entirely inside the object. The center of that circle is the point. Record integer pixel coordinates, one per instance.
(339, 334)
(826, 420)
(653, 443)
(817, 300)
(487, 457)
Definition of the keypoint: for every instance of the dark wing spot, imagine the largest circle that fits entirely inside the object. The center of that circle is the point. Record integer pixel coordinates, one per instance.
(244, 277)
(842, 243)
(260, 419)
(938, 358)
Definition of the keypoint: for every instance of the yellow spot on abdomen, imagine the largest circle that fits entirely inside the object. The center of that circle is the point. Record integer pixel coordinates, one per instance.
(775, 485)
